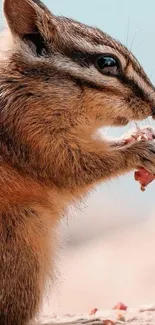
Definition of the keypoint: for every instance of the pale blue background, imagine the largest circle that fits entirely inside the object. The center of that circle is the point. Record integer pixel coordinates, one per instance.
(133, 23)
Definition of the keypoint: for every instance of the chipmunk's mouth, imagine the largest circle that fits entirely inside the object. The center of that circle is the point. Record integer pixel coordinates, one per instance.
(153, 113)
(121, 121)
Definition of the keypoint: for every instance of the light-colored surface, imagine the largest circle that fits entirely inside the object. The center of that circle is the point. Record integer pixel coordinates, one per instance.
(141, 316)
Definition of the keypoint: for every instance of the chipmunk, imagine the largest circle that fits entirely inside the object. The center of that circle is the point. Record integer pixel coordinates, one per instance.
(60, 81)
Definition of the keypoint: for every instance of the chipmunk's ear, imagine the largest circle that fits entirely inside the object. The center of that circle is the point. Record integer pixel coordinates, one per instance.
(29, 19)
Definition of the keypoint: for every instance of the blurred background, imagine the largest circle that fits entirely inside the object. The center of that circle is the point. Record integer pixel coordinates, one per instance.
(107, 247)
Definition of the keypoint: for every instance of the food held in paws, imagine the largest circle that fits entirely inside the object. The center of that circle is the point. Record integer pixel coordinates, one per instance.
(142, 175)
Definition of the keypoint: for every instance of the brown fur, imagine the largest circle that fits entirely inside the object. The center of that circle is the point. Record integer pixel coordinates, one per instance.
(52, 101)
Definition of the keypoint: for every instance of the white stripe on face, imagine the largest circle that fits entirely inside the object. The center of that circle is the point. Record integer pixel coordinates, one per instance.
(88, 47)
(89, 74)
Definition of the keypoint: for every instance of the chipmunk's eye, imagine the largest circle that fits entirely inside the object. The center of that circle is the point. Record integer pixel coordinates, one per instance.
(108, 65)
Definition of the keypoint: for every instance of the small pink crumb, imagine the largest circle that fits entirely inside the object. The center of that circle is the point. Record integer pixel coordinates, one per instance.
(120, 306)
(108, 322)
(93, 311)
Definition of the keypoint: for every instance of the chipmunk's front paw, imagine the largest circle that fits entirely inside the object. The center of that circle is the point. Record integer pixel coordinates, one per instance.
(142, 154)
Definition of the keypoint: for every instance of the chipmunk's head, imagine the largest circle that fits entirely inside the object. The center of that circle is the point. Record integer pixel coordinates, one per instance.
(66, 70)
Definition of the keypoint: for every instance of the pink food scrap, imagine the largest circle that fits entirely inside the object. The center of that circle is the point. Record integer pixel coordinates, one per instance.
(108, 322)
(142, 175)
(93, 311)
(120, 306)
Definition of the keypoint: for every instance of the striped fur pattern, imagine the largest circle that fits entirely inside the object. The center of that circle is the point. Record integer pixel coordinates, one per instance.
(53, 99)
